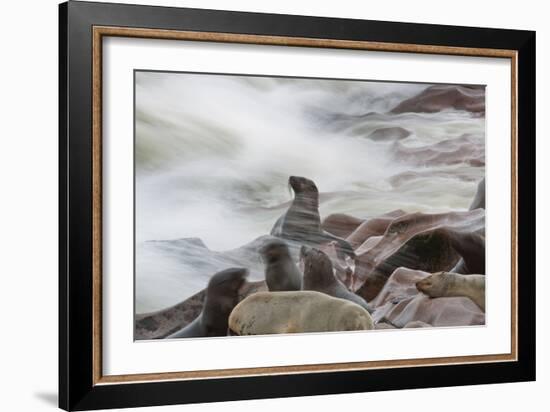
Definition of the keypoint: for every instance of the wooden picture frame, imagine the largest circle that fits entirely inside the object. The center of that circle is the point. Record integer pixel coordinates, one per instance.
(82, 385)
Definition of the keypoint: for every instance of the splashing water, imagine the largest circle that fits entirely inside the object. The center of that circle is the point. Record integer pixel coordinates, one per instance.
(214, 153)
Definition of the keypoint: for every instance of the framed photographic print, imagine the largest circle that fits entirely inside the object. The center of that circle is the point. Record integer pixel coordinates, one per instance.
(257, 205)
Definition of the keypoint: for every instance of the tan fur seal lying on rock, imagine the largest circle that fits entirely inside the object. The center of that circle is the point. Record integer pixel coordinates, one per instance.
(266, 313)
(422, 241)
(400, 303)
(444, 284)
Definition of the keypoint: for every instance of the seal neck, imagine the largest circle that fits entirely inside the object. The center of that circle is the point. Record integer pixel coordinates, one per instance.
(310, 200)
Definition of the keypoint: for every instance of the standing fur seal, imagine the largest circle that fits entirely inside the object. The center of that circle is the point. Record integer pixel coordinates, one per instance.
(222, 294)
(265, 313)
(319, 276)
(281, 273)
(444, 284)
(302, 222)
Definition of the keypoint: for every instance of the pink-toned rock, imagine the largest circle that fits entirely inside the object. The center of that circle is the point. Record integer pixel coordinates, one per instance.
(368, 245)
(402, 305)
(372, 227)
(341, 268)
(421, 241)
(340, 224)
(440, 97)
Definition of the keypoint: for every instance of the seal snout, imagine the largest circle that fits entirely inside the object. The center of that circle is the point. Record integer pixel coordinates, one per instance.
(304, 251)
(424, 284)
(301, 184)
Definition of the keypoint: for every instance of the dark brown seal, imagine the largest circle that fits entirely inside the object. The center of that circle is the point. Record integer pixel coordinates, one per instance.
(281, 273)
(319, 276)
(222, 295)
(302, 222)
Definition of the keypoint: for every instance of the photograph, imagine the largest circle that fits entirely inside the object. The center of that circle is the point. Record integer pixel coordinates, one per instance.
(286, 205)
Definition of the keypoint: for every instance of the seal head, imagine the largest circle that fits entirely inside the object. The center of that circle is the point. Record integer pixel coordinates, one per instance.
(281, 273)
(319, 276)
(302, 221)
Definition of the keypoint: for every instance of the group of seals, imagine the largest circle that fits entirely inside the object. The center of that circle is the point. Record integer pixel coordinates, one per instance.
(318, 301)
(301, 223)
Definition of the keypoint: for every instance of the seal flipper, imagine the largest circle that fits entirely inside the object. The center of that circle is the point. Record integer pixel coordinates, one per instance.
(277, 227)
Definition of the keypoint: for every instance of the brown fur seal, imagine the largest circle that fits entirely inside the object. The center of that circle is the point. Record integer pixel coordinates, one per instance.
(281, 273)
(471, 248)
(302, 222)
(444, 284)
(265, 313)
(319, 276)
(222, 294)
(479, 198)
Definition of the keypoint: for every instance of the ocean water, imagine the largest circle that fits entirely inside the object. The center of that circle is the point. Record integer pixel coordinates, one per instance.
(214, 153)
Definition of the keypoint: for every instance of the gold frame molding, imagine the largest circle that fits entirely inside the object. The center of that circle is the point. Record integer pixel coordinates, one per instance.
(102, 31)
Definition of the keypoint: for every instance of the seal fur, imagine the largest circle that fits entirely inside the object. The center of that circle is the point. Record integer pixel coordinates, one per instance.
(222, 294)
(265, 313)
(302, 222)
(445, 284)
(319, 276)
(281, 273)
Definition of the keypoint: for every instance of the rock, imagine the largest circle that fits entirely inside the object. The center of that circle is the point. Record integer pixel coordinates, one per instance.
(340, 224)
(387, 134)
(440, 97)
(402, 305)
(420, 241)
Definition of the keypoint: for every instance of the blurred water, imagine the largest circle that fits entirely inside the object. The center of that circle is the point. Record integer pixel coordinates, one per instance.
(214, 153)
